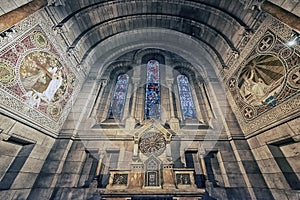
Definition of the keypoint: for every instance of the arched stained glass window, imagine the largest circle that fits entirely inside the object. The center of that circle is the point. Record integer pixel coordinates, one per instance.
(186, 99)
(119, 98)
(152, 104)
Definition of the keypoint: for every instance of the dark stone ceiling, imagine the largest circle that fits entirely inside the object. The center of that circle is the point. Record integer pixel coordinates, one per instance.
(217, 24)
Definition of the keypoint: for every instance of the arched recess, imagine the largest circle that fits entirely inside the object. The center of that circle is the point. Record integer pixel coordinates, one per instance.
(198, 97)
(194, 52)
(103, 106)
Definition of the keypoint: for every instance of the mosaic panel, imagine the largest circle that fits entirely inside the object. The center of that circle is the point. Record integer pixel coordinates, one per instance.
(265, 81)
(36, 77)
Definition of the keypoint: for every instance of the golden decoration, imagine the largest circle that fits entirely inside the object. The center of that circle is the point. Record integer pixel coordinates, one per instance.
(6, 73)
(40, 39)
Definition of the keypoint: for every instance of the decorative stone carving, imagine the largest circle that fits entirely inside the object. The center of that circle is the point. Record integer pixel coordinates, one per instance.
(120, 179)
(152, 144)
(183, 179)
(294, 78)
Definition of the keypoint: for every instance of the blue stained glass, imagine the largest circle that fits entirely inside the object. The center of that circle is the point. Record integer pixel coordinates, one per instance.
(152, 104)
(119, 98)
(153, 72)
(186, 99)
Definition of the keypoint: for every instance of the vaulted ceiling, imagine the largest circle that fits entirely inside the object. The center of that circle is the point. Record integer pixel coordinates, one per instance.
(219, 25)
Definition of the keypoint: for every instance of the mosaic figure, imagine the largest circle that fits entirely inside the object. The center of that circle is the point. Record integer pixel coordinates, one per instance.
(42, 78)
(261, 78)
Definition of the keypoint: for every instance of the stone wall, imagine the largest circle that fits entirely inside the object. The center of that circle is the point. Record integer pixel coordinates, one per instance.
(24, 151)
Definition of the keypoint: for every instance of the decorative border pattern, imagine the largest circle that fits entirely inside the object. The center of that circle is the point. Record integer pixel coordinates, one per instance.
(51, 108)
(269, 41)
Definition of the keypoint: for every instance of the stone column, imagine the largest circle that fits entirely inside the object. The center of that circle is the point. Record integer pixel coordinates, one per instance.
(202, 163)
(135, 155)
(196, 103)
(168, 151)
(205, 97)
(168, 177)
(173, 122)
(11, 18)
(98, 170)
(93, 114)
(131, 121)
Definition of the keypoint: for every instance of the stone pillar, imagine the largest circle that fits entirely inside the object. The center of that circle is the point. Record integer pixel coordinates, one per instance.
(131, 121)
(168, 151)
(98, 170)
(168, 178)
(202, 163)
(173, 122)
(95, 107)
(196, 103)
(281, 14)
(135, 156)
(11, 18)
(209, 111)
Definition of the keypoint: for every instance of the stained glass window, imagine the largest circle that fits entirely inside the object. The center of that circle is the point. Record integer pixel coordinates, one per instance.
(186, 99)
(152, 104)
(119, 98)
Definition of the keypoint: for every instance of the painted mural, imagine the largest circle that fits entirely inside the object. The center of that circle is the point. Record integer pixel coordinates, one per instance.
(266, 85)
(35, 76)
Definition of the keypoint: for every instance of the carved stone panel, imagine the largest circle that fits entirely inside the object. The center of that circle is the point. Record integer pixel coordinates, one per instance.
(152, 144)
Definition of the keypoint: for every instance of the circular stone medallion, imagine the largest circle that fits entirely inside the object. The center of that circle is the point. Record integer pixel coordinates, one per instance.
(152, 144)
